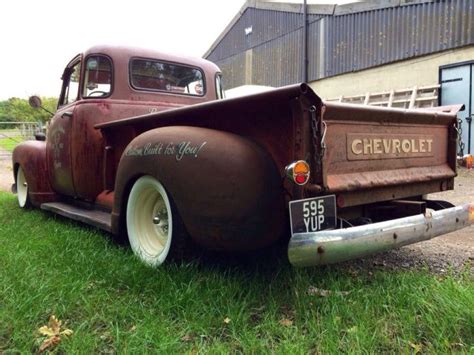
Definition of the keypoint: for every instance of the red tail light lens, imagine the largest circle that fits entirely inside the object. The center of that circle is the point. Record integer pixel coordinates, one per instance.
(298, 172)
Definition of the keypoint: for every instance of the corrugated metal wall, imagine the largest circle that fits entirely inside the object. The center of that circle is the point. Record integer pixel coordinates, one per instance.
(338, 44)
(273, 49)
(362, 40)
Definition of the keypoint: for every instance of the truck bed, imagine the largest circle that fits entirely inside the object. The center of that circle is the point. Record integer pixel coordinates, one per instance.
(372, 154)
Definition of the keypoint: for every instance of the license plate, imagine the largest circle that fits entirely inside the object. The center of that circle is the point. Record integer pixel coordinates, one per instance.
(313, 214)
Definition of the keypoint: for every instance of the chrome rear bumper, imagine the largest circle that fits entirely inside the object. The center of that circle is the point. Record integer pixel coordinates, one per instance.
(333, 246)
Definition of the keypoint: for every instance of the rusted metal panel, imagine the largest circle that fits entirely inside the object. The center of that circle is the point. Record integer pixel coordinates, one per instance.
(268, 119)
(373, 148)
(31, 156)
(228, 192)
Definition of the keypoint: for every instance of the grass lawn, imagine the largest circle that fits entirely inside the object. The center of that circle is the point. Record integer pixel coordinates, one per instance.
(113, 303)
(9, 143)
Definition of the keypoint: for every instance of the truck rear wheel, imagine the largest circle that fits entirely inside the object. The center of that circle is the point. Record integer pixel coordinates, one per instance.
(22, 189)
(153, 224)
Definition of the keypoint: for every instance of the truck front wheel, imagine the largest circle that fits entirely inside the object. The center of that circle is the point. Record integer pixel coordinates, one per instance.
(22, 189)
(152, 221)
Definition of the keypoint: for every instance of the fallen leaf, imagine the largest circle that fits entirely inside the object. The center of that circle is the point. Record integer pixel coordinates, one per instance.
(286, 322)
(46, 331)
(53, 334)
(226, 320)
(49, 343)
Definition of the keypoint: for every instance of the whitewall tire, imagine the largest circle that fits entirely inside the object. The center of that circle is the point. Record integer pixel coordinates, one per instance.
(22, 189)
(149, 221)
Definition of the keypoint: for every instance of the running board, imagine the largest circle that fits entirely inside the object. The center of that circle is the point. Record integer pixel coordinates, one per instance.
(99, 219)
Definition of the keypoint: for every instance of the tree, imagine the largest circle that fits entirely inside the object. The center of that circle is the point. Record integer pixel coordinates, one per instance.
(18, 110)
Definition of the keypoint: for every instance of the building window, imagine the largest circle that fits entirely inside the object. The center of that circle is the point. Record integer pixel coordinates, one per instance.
(97, 77)
(154, 75)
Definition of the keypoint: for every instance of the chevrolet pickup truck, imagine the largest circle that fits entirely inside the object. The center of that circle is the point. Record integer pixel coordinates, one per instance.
(145, 146)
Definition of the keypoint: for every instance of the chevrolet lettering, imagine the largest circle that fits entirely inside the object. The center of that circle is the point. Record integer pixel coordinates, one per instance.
(370, 146)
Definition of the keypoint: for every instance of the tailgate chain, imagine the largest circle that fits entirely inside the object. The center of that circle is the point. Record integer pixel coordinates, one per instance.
(315, 130)
(458, 129)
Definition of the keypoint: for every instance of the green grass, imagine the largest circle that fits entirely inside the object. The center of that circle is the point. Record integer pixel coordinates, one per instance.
(49, 265)
(9, 143)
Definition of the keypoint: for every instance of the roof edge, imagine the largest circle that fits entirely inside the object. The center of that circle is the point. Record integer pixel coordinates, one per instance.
(314, 9)
(231, 24)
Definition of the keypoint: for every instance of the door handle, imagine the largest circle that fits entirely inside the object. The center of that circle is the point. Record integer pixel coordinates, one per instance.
(66, 114)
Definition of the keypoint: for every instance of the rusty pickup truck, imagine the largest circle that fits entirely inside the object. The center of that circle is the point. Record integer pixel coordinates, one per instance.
(145, 146)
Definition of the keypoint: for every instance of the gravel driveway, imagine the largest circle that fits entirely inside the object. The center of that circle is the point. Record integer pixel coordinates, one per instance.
(6, 174)
(452, 251)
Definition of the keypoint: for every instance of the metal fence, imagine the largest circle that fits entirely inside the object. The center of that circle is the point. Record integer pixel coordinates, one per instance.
(13, 133)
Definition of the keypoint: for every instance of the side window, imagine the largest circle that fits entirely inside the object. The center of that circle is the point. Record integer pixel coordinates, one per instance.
(98, 77)
(219, 87)
(71, 80)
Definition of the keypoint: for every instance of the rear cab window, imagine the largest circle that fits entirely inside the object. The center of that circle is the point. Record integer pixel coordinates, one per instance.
(155, 75)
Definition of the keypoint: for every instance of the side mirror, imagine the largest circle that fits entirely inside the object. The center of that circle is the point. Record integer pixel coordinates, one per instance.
(35, 101)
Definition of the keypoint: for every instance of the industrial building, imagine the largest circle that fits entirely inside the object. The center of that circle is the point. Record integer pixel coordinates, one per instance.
(400, 53)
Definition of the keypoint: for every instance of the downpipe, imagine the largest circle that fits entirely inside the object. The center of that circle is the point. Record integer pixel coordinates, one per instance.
(337, 245)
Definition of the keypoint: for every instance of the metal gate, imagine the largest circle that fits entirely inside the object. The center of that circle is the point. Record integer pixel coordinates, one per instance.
(457, 88)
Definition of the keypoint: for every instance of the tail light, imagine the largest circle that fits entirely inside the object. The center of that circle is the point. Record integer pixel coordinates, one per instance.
(298, 172)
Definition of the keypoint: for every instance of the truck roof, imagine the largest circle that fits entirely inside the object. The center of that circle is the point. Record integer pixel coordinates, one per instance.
(126, 52)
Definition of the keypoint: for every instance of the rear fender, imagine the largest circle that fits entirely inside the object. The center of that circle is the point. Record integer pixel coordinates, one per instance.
(226, 188)
(31, 156)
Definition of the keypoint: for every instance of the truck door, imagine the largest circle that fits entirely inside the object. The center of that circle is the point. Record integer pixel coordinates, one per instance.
(58, 149)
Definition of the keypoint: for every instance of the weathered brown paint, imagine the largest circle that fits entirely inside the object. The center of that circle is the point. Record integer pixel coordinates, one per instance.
(232, 193)
(31, 156)
(344, 171)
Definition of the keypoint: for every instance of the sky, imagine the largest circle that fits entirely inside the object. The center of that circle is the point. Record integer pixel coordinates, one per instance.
(38, 38)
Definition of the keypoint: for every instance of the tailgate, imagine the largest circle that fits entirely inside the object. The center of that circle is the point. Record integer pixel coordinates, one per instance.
(376, 154)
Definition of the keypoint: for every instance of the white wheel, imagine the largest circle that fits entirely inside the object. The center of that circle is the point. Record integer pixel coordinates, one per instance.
(149, 221)
(22, 189)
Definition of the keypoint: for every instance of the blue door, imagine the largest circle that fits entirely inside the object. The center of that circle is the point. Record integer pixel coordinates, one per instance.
(457, 88)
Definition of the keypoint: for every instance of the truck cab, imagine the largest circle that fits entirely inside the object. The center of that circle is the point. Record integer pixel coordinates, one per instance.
(105, 84)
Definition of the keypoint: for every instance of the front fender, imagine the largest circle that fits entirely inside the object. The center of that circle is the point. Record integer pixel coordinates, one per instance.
(226, 188)
(31, 156)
